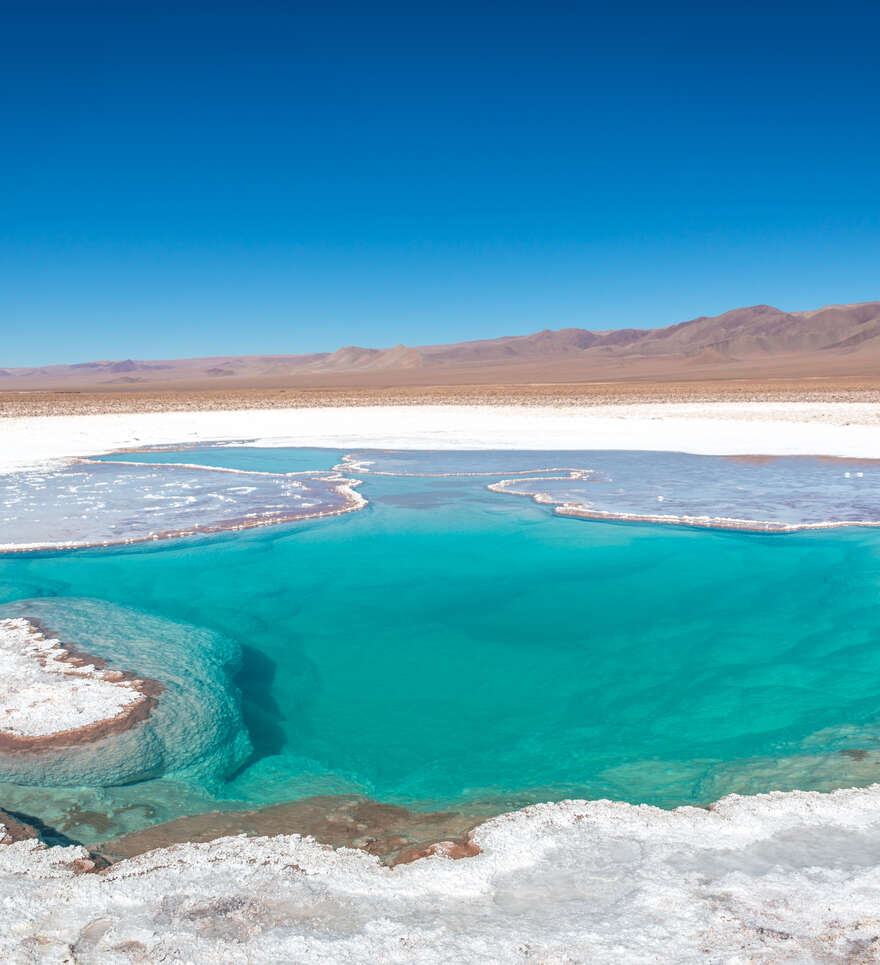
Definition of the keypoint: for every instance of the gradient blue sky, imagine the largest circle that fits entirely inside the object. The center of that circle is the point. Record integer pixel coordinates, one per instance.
(256, 177)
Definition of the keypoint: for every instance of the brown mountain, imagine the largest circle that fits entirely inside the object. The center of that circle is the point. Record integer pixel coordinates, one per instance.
(755, 342)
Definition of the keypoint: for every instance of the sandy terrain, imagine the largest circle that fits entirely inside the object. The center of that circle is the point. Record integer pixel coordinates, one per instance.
(183, 397)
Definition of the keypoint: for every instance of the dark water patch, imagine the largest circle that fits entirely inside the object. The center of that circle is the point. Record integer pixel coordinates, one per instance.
(262, 714)
(50, 836)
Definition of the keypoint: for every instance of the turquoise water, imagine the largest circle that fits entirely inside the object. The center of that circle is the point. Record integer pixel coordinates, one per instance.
(452, 646)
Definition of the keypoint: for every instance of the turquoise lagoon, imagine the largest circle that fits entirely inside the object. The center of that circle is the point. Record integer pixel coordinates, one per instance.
(452, 647)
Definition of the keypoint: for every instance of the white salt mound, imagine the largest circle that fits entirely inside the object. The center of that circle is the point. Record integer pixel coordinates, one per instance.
(42, 693)
(784, 877)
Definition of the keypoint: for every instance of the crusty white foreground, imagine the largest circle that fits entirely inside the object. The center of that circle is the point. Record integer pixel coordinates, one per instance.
(775, 878)
(791, 877)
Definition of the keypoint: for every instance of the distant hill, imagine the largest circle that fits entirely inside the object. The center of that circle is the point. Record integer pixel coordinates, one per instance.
(758, 341)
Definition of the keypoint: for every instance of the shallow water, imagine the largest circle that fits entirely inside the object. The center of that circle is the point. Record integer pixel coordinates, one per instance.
(752, 492)
(452, 646)
(96, 504)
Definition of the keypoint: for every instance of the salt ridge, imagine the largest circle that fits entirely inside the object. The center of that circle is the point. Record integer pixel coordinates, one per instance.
(585, 511)
(122, 531)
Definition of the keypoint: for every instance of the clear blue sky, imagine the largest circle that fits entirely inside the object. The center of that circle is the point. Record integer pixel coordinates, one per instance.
(186, 179)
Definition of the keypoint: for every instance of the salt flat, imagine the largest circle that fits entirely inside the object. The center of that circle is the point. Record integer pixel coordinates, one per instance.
(755, 428)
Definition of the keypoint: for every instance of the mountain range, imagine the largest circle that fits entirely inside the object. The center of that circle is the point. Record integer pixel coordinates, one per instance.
(754, 342)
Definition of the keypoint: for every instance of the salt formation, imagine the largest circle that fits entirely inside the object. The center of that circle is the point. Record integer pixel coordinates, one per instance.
(163, 704)
(50, 696)
(788, 877)
(850, 429)
(764, 494)
(105, 504)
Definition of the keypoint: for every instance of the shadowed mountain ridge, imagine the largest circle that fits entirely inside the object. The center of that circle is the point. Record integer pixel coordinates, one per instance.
(759, 338)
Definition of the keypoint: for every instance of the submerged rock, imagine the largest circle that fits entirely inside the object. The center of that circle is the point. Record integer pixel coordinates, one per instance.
(120, 696)
(395, 834)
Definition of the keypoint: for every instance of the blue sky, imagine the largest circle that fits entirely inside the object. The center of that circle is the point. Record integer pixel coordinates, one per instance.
(215, 179)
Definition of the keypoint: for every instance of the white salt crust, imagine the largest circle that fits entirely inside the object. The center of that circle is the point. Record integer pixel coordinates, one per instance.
(752, 428)
(96, 519)
(42, 693)
(773, 878)
(520, 486)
